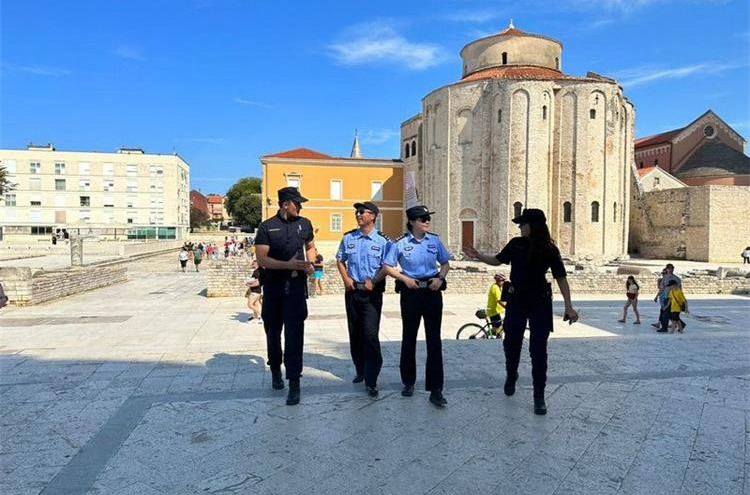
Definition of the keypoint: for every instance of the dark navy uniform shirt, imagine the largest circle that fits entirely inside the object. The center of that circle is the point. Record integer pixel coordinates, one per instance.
(418, 258)
(527, 272)
(363, 253)
(286, 239)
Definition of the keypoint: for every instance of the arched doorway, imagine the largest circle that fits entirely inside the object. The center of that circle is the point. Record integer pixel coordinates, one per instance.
(468, 218)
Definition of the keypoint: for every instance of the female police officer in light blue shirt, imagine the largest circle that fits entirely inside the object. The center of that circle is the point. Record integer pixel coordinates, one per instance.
(424, 264)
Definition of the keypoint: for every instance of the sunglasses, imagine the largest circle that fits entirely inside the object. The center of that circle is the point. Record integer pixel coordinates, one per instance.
(424, 219)
(362, 211)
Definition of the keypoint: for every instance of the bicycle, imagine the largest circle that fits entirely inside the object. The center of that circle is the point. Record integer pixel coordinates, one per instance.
(476, 331)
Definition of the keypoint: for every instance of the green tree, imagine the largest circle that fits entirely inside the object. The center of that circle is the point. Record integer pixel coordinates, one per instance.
(243, 201)
(5, 184)
(197, 217)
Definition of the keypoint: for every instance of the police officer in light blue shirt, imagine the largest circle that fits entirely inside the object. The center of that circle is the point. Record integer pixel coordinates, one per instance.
(424, 264)
(360, 263)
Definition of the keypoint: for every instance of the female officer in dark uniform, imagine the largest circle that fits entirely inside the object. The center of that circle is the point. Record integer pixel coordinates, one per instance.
(424, 265)
(530, 298)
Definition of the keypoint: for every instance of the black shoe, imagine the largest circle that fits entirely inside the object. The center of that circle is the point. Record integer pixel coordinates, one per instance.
(372, 391)
(510, 385)
(277, 381)
(358, 378)
(407, 391)
(539, 406)
(292, 399)
(437, 399)
(662, 330)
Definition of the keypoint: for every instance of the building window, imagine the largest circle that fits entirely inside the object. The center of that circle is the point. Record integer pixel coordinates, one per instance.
(35, 184)
(335, 189)
(656, 161)
(414, 148)
(293, 181)
(640, 165)
(614, 211)
(36, 203)
(59, 184)
(544, 112)
(567, 212)
(109, 185)
(131, 220)
(406, 151)
(84, 168)
(59, 168)
(10, 199)
(109, 202)
(131, 170)
(505, 58)
(84, 185)
(499, 116)
(10, 166)
(335, 222)
(376, 190)
(592, 114)
(108, 169)
(379, 222)
(35, 168)
(557, 63)
(517, 209)
(41, 230)
(85, 200)
(594, 211)
(132, 185)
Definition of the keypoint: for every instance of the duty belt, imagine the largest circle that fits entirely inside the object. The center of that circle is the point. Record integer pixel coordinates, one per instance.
(359, 286)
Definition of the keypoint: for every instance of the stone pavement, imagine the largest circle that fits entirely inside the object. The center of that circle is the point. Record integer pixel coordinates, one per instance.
(151, 388)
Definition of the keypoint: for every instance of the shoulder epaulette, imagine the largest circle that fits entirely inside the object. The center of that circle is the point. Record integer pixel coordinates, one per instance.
(350, 232)
(434, 233)
(384, 235)
(401, 236)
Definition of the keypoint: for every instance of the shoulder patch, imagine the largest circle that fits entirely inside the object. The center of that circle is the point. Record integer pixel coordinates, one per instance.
(384, 236)
(435, 234)
(401, 236)
(350, 232)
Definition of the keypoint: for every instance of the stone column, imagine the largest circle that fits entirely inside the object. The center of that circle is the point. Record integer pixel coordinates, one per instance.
(76, 251)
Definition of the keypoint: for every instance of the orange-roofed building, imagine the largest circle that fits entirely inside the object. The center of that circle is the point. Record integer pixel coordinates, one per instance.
(217, 212)
(332, 185)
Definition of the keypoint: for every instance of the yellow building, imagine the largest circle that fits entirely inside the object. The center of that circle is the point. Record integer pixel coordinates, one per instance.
(332, 185)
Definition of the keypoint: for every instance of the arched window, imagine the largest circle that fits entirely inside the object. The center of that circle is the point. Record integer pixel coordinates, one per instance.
(517, 209)
(406, 150)
(505, 58)
(592, 113)
(557, 63)
(567, 212)
(544, 112)
(614, 211)
(594, 211)
(499, 116)
(414, 148)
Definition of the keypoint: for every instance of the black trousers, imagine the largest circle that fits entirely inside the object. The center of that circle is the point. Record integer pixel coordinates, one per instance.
(537, 311)
(418, 304)
(285, 306)
(363, 318)
(664, 319)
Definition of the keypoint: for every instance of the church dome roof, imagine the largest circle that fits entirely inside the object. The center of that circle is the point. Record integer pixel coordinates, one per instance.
(523, 72)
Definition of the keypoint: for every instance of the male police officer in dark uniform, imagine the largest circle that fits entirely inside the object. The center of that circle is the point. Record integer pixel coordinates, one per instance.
(424, 264)
(283, 246)
(360, 263)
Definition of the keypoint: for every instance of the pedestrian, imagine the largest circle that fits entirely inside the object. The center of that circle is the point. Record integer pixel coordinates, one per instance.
(424, 265)
(631, 292)
(496, 301)
(667, 275)
(675, 304)
(530, 298)
(284, 244)
(183, 257)
(197, 256)
(746, 255)
(360, 262)
(254, 293)
(318, 275)
(54, 240)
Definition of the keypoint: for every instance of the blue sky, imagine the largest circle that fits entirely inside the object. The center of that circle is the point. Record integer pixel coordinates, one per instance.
(223, 82)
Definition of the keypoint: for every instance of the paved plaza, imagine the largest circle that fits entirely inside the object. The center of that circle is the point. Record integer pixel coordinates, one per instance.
(151, 388)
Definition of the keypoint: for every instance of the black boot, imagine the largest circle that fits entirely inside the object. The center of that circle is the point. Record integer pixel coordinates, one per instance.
(292, 399)
(277, 381)
(539, 406)
(510, 384)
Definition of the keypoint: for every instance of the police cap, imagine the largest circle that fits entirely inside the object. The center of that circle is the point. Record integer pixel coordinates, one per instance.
(418, 211)
(530, 215)
(290, 194)
(367, 205)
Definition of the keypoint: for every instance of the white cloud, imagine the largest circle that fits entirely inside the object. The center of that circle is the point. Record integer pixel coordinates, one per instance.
(245, 101)
(378, 136)
(644, 75)
(129, 52)
(377, 42)
(37, 70)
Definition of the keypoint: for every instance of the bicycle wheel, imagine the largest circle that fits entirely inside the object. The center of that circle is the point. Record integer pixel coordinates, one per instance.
(471, 331)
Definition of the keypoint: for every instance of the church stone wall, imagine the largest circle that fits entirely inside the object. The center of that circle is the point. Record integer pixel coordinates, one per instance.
(488, 52)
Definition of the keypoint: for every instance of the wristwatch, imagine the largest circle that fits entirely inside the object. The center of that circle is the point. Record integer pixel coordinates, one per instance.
(441, 277)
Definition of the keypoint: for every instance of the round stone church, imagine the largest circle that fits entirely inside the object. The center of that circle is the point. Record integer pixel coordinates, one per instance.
(516, 132)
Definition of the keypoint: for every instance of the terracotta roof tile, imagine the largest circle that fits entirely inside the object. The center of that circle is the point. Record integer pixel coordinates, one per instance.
(212, 198)
(515, 72)
(664, 137)
(646, 170)
(300, 153)
(511, 31)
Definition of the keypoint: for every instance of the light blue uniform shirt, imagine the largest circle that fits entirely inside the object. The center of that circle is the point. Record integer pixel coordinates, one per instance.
(363, 253)
(418, 259)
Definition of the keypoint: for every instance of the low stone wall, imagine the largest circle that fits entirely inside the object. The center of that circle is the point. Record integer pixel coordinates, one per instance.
(134, 249)
(227, 279)
(24, 288)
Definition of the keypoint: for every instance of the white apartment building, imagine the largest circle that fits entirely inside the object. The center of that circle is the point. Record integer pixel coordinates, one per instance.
(128, 194)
